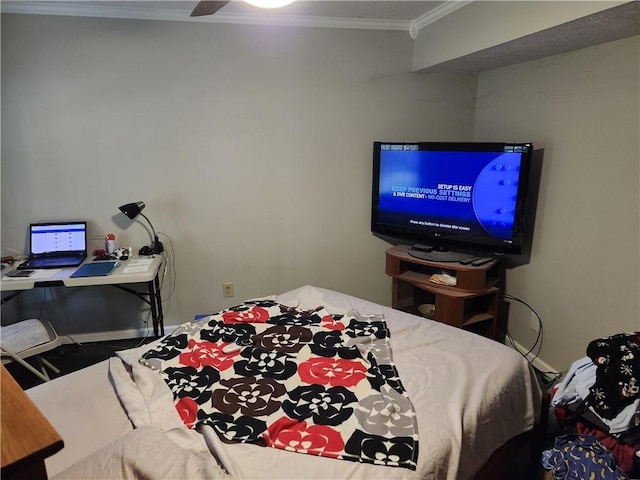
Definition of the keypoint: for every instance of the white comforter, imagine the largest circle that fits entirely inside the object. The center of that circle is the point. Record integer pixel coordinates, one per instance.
(471, 395)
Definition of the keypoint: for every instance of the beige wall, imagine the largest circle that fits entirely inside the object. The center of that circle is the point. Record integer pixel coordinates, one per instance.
(250, 145)
(582, 108)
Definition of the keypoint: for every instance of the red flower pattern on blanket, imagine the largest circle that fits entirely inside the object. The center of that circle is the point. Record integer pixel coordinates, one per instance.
(331, 323)
(255, 315)
(331, 371)
(207, 353)
(299, 437)
(188, 410)
(298, 380)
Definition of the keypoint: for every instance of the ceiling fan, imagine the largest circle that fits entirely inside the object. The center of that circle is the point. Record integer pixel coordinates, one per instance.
(207, 7)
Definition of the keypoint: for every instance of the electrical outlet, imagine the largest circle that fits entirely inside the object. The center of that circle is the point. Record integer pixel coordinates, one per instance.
(534, 323)
(227, 289)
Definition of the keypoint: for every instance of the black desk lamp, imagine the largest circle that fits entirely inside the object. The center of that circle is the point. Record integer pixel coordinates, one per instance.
(132, 210)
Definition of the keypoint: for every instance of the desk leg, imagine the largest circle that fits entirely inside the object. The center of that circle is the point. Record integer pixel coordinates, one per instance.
(155, 301)
(153, 298)
(158, 298)
(10, 296)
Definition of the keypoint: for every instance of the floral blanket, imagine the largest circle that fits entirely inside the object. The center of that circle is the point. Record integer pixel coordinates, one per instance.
(298, 380)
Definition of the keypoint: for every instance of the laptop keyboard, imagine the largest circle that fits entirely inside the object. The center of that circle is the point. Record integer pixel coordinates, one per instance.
(43, 262)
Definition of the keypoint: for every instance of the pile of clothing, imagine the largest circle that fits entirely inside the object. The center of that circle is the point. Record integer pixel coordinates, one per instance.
(598, 405)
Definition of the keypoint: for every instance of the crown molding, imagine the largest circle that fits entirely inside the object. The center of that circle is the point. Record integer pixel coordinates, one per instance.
(436, 14)
(76, 9)
(80, 9)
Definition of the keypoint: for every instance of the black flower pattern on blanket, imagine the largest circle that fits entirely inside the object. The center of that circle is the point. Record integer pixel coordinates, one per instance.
(297, 380)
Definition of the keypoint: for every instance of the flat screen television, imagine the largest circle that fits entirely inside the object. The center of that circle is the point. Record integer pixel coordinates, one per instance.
(452, 199)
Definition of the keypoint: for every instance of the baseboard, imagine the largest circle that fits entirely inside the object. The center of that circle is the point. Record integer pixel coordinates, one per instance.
(537, 362)
(112, 335)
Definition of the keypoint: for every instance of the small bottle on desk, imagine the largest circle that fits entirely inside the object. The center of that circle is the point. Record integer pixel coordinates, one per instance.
(110, 243)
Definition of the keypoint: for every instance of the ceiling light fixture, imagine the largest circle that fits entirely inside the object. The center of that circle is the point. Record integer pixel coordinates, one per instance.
(269, 3)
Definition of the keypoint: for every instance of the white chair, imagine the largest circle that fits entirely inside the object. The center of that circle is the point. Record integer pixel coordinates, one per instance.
(29, 338)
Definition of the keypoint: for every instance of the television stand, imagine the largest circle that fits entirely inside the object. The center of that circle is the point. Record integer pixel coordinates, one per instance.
(445, 256)
(470, 304)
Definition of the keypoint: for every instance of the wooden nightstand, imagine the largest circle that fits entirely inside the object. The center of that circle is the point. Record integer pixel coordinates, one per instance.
(27, 436)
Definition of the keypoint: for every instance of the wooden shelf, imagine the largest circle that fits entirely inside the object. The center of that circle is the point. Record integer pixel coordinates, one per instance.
(471, 304)
(477, 318)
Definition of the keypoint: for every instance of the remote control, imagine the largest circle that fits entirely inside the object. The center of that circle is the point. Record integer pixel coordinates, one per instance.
(481, 261)
(468, 260)
(422, 248)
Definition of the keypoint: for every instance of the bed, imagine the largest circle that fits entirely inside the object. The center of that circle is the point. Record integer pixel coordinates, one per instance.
(471, 397)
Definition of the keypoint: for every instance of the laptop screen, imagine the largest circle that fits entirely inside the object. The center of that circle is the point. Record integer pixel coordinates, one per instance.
(58, 237)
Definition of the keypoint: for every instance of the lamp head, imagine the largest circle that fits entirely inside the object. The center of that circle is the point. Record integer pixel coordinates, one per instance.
(132, 210)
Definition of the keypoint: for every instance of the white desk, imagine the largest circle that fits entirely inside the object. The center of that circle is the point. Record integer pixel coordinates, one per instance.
(120, 278)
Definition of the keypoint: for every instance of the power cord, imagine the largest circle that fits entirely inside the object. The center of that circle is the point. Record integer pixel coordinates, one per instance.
(147, 332)
(172, 263)
(539, 337)
(537, 345)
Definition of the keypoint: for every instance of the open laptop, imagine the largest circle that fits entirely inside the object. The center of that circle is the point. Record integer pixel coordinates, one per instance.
(56, 245)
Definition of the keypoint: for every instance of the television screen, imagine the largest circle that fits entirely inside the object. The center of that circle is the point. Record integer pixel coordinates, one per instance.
(466, 197)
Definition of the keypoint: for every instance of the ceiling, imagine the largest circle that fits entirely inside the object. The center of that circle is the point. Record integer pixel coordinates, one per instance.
(387, 15)
(616, 23)
(620, 21)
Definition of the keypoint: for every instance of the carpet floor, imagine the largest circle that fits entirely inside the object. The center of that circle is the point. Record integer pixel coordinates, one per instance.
(69, 358)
